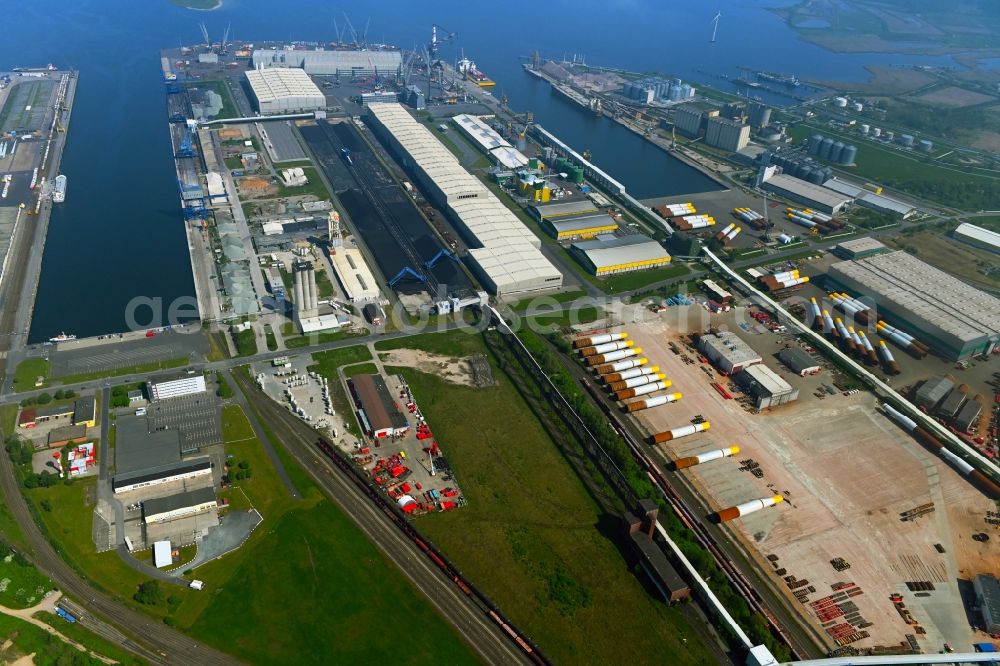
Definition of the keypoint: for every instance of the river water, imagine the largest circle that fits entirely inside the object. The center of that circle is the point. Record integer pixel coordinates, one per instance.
(119, 235)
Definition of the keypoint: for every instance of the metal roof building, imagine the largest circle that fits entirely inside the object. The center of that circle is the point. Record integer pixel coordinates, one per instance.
(956, 319)
(565, 209)
(859, 248)
(584, 226)
(171, 507)
(376, 407)
(987, 589)
(161, 474)
(766, 387)
(284, 90)
(969, 415)
(727, 351)
(337, 63)
(951, 404)
(977, 237)
(869, 199)
(503, 251)
(798, 361)
(354, 275)
(621, 254)
(814, 196)
(932, 391)
(176, 387)
(494, 145)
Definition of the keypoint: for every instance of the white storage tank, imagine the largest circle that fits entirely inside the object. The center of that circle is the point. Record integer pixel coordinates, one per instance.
(840, 102)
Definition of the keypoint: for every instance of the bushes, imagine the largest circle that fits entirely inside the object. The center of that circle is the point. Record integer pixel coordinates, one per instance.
(224, 390)
(149, 593)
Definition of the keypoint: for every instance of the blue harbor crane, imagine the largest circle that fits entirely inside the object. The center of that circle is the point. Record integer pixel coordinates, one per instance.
(187, 146)
(443, 253)
(406, 272)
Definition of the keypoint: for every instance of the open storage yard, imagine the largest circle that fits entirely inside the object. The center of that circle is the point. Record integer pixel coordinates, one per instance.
(848, 475)
(530, 536)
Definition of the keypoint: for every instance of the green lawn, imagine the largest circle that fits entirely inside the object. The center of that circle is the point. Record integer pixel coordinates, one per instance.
(450, 343)
(314, 187)
(581, 315)
(234, 163)
(21, 585)
(361, 369)
(28, 371)
(533, 539)
(119, 372)
(324, 288)
(327, 362)
(235, 425)
(272, 342)
(642, 279)
(246, 342)
(300, 341)
(562, 297)
(228, 109)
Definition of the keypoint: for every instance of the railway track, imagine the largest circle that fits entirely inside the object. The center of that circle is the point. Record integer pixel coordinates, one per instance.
(493, 638)
(142, 635)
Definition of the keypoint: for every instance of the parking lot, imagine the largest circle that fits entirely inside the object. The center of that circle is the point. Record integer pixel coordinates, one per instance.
(72, 358)
(196, 417)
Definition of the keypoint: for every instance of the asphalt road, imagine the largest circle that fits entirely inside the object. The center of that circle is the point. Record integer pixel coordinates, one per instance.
(158, 643)
(492, 646)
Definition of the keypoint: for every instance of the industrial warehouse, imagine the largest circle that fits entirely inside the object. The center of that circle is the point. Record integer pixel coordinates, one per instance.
(504, 252)
(284, 91)
(494, 145)
(977, 237)
(609, 255)
(331, 63)
(804, 192)
(957, 320)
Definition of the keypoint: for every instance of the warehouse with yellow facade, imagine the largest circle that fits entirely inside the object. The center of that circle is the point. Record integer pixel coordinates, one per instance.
(622, 254)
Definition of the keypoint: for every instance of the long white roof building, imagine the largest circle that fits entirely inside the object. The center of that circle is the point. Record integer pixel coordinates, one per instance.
(284, 90)
(343, 63)
(504, 251)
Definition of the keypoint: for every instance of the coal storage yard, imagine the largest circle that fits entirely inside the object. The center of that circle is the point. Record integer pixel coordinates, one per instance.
(380, 210)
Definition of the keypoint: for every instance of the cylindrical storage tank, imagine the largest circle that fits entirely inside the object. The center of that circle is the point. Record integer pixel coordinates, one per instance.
(906, 140)
(825, 147)
(865, 129)
(876, 132)
(835, 150)
(827, 174)
(840, 102)
(848, 155)
(814, 142)
(889, 135)
(784, 239)
(926, 146)
(815, 177)
(803, 173)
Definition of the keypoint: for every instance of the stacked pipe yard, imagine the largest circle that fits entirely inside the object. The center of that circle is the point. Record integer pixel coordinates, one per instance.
(722, 234)
(810, 219)
(978, 479)
(783, 280)
(815, 314)
(708, 456)
(635, 382)
(751, 217)
(887, 359)
(745, 509)
(851, 307)
(669, 210)
(682, 431)
(624, 372)
(910, 344)
(691, 222)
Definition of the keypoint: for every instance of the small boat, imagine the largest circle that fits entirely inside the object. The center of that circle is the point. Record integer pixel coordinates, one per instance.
(62, 337)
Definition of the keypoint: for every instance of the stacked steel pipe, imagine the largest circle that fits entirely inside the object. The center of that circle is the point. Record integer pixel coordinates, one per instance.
(691, 461)
(910, 344)
(683, 431)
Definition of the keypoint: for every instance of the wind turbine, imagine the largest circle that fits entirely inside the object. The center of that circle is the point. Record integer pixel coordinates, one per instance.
(715, 25)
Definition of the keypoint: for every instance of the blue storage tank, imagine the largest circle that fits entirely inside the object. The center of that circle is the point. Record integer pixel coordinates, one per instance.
(814, 141)
(848, 154)
(836, 150)
(815, 177)
(824, 148)
(827, 174)
(803, 170)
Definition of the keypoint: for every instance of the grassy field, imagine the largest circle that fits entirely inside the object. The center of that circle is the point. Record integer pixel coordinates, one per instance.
(314, 187)
(46, 649)
(641, 279)
(450, 343)
(28, 371)
(228, 109)
(534, 540)
(299, 341)
(950, 256)
(246, 342)
(327, 362)
(119, 372)
(272, 341)
(88, 639)
(21, 585)
(361, 369)
(324, 288)
(581, 315)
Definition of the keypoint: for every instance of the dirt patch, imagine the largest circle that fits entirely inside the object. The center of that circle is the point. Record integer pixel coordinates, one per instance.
(953, 97)
(986, 140)
(451, 370)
